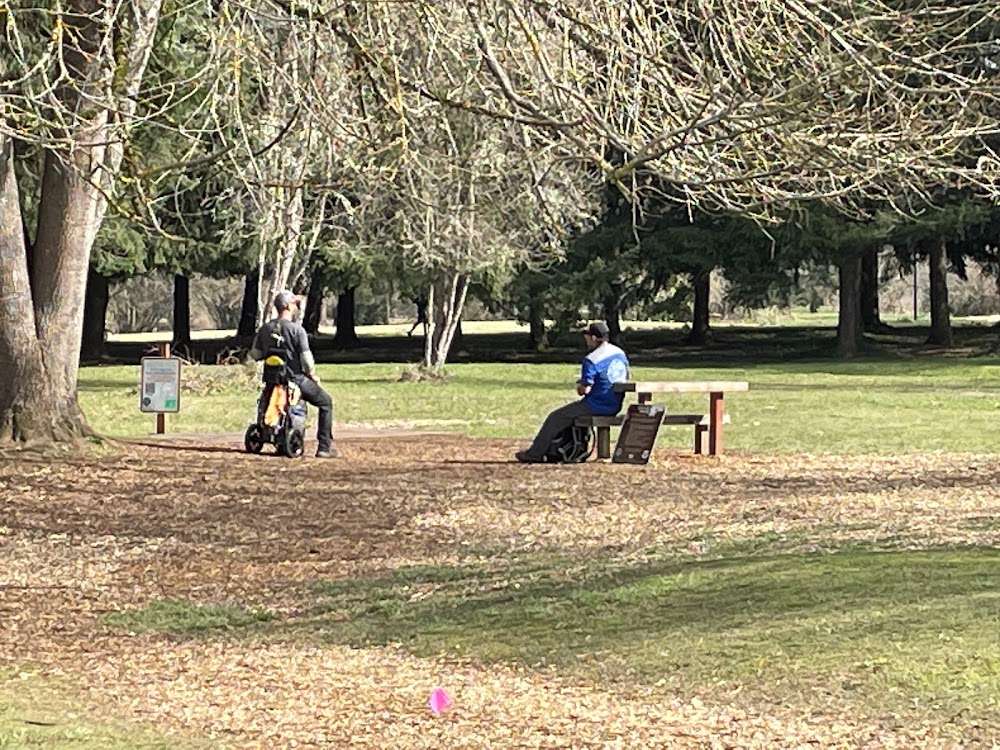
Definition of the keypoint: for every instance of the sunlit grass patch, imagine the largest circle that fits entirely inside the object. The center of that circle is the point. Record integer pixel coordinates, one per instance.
(186, 618)
(37, 712)
(882, 406)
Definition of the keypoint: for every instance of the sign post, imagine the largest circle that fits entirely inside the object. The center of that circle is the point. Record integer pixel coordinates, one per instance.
(160, 386)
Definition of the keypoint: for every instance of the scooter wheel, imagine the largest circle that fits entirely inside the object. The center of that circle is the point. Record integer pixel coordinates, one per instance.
(295, 444)
(253, 440)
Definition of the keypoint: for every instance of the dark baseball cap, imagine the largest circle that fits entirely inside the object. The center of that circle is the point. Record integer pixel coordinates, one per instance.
(598, 330)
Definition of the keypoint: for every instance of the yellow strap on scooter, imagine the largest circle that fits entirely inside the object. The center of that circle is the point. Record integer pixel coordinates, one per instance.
(276, 406)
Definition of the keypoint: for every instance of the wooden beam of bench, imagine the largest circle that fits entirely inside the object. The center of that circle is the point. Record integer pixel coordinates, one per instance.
(682, 386)
(700, 419)
(614, 421)
(701, 424)
(603, 426)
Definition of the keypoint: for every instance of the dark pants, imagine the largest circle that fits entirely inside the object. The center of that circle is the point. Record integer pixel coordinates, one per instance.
(555, 423)
(319, 398)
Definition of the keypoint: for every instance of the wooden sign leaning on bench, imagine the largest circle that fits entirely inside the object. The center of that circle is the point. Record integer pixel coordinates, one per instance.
(638, 435)
(635, 444)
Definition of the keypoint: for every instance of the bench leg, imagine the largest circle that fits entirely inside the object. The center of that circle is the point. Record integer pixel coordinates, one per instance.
(604, 442)
(700, 439)
(716, 416)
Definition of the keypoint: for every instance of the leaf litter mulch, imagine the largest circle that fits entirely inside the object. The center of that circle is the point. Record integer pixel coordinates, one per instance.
(84, 536)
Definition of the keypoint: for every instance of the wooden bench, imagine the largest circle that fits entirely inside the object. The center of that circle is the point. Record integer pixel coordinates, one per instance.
(701, 424)
(603, 426)
(707, 428)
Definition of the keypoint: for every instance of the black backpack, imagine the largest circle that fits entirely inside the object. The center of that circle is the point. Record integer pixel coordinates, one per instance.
(571, 446)
(280, 346)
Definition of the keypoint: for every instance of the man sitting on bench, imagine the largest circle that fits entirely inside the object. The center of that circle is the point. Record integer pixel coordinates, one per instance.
(604, 366)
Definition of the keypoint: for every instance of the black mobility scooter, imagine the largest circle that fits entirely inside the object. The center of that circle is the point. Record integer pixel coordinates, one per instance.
(281, 413)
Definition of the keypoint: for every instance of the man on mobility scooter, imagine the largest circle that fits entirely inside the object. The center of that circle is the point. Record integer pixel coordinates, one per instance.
(289, 367)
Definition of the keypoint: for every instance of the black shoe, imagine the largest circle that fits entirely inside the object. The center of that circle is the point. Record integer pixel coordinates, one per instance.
(526, 458)
(330, 452)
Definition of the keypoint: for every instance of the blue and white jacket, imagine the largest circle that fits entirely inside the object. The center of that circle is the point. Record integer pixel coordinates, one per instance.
(602, 368)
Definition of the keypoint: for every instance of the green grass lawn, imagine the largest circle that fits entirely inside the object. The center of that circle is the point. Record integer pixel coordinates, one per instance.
(175, 616)
(883, 624)
(36, 712)
(872, 405)
(888, 629)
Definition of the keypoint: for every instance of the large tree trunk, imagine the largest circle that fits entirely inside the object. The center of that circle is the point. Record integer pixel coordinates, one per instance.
(21, 354)
(248, 310)
(41, 315)
(940, 312)
(346, 336)
(702, 282)
(445, 302)
(849, 334)
(95, 313)
(870, 318)
(536, 327)
(182, 311)
(314, 306)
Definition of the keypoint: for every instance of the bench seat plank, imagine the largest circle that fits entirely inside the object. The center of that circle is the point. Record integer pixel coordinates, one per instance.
(701, 419)
(603, 425)
(614, 421)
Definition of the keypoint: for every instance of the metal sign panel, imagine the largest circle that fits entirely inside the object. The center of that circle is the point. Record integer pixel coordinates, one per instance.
(635, 443)
(160, 385)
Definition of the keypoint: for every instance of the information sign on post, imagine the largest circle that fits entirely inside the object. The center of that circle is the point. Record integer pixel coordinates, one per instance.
(160, 387)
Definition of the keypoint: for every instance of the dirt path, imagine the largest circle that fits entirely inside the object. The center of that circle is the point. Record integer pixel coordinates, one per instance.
(81, 537)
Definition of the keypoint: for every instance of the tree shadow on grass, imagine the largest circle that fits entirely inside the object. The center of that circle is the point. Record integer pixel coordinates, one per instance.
(189, 447)
(926, 619)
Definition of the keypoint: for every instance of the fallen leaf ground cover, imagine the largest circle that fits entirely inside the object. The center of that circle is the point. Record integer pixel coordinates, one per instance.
(192, 593)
